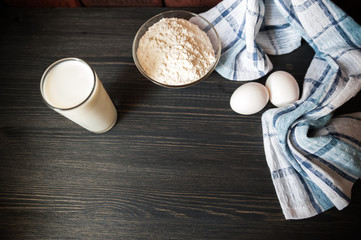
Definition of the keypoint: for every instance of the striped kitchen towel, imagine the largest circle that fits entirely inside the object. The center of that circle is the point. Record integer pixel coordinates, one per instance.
(314, 159)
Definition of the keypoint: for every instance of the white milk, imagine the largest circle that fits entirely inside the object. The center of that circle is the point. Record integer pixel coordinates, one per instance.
(73, 89)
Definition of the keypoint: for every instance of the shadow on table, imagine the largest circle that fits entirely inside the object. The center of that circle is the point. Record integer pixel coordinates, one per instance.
(130, 89)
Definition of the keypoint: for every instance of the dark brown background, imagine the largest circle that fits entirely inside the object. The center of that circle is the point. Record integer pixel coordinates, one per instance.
(179, 164)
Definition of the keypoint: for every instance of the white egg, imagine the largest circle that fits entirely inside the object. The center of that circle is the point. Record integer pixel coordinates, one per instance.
(249, 98)
(283, 88)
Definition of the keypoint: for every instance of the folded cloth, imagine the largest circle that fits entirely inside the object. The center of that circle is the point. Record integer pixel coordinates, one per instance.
(314, 160)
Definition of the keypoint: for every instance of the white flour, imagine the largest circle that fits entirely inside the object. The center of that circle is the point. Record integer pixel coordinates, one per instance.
(175, 52)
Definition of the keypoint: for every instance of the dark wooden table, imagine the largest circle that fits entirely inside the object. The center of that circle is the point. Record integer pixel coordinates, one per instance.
(179, 164)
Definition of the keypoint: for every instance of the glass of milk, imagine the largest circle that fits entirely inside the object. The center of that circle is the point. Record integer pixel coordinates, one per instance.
(72, 88)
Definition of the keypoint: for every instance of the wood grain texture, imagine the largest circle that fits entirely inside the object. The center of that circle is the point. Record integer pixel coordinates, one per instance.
(122, 3)
(191, 3)
(179, 164)
(42, 3)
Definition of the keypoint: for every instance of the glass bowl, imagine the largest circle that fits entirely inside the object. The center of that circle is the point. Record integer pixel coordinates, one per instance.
(196, 19)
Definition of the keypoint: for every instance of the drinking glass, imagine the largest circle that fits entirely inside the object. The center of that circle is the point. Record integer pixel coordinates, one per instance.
(72, 88)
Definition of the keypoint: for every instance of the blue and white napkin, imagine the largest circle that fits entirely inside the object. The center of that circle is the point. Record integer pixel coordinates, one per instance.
(314, 159)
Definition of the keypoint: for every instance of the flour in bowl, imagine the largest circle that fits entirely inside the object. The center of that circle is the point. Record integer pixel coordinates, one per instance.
(175, 51)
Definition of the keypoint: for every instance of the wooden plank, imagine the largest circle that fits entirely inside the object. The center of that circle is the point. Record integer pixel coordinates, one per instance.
(42, 3)
(191, 3)
(179, 164)
(122, 3)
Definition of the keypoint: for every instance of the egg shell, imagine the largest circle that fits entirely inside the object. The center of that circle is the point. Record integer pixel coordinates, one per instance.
(249, 98)
(283, 88)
